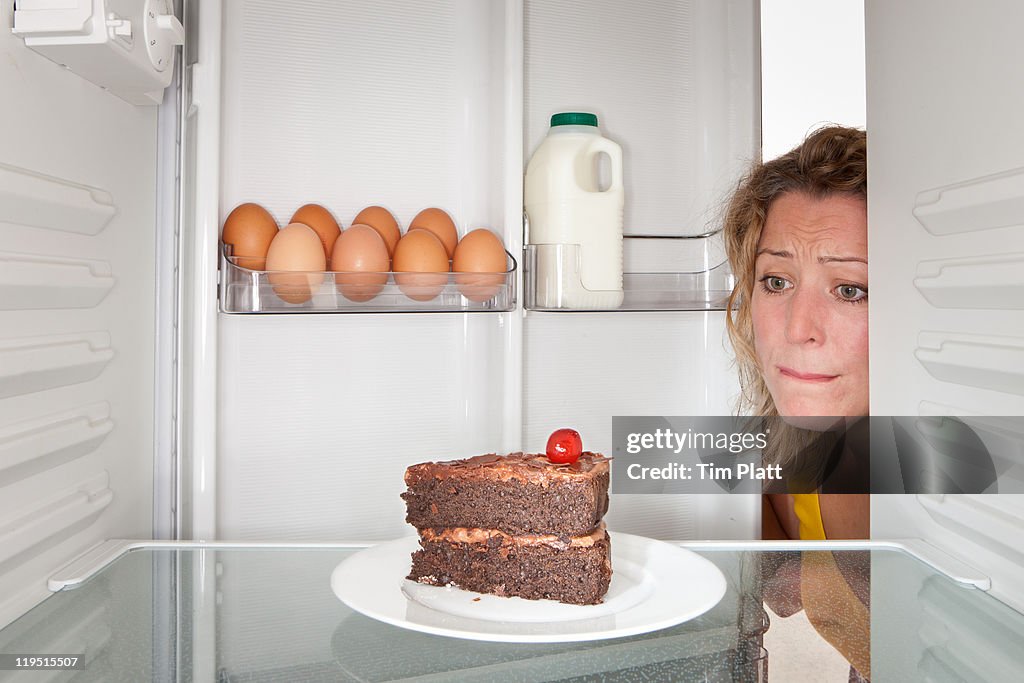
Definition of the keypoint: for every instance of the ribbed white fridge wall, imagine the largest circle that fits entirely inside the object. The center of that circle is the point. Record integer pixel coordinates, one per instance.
(77, 309)
(946, 241)
(410, 105)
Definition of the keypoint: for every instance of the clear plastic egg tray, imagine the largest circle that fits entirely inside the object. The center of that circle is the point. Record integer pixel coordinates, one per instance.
(244, 290)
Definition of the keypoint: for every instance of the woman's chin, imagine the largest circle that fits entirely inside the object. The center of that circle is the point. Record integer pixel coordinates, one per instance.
(817, 415)
(814, 423)
(819, 411)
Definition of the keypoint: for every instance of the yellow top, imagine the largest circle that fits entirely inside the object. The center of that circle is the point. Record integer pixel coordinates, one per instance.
(808, 512)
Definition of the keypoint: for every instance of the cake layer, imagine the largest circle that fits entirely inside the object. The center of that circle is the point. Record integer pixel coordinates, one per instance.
(517, 494)
(536, 567)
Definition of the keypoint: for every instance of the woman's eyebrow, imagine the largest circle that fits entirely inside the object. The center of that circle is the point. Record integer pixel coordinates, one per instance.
(842, 259)
(781, 253)
(774, 252)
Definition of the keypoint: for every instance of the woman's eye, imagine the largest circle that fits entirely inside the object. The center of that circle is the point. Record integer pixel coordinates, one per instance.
(773, 283)
(851, 293)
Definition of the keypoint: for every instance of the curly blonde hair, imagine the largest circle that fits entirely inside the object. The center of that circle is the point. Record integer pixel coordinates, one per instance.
(832, 160)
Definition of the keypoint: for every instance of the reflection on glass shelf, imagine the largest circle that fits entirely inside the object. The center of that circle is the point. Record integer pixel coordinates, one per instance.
(245, 290)
(251, 613)
(670, 280)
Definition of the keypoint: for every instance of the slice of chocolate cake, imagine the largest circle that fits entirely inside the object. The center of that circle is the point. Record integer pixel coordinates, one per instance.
(575, 570)
(518, 493)
(515, 525)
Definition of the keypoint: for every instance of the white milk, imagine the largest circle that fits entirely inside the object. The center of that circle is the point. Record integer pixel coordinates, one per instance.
(575, 227)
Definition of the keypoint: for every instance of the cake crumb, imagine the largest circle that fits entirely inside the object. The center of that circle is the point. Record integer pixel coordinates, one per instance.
(476, 599)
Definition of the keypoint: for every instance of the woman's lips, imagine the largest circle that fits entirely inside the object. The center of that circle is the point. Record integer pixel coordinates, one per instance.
(806, 376)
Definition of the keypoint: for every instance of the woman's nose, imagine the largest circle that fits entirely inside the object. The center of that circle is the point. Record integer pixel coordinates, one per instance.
(805, 321)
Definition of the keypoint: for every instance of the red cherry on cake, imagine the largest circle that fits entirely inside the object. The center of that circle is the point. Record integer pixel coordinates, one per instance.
(564, 446)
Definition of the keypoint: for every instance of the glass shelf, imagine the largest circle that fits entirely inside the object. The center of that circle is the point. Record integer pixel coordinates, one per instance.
(245, 290)
(671, 280)
(204, 612)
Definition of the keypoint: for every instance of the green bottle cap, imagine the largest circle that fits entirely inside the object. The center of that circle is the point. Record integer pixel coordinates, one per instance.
(574, 118)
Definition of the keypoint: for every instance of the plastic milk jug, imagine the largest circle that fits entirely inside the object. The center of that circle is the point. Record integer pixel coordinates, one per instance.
(575, 226)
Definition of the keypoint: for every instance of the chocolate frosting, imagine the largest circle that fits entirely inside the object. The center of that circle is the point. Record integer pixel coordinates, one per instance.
(526, 466)
(464, 535)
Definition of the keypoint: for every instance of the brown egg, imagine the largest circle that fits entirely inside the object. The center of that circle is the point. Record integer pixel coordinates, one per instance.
(249, 229)
(441, 224)
(361, 256)
(322, 222)
(481, 253)
(296, 248)
(381, 220)
(420, 265)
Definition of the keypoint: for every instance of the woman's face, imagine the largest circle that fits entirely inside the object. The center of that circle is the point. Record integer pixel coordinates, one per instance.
(810, 305)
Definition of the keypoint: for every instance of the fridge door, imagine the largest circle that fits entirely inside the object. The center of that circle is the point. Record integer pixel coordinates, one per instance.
(78, 301)
(946, 244)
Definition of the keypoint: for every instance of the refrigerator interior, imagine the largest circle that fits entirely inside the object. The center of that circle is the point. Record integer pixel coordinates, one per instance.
(409, 105)
(318, 416)
(299, 427)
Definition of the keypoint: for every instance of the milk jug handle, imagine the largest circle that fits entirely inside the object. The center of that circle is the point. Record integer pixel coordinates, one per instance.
(614, 153)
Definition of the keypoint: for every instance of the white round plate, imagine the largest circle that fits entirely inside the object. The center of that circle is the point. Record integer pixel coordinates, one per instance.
(654, 585)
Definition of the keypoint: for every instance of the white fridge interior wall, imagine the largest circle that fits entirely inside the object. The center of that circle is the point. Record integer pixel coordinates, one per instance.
(403, 105)
(674, 83)
(352, 104)
(413, 105)
(319, 415)
(77, 296)
(677, 85)
(635, 364)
